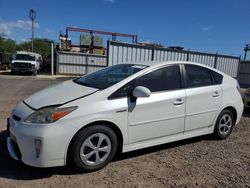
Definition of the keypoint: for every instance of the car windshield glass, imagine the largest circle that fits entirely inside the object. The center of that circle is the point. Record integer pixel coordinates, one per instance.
(25, 57)
(109, 76)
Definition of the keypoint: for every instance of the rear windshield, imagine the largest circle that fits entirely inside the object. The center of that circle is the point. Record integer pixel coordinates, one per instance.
(109, 76)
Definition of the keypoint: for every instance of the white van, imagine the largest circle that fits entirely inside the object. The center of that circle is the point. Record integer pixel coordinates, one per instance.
(26, 62)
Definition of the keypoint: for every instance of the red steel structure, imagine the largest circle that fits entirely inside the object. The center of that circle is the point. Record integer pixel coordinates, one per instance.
(92, 32)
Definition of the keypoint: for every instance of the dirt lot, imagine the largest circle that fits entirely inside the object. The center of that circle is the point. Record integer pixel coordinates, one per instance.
(198, 162)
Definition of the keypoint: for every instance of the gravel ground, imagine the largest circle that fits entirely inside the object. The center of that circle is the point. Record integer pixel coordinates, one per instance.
(197, 162)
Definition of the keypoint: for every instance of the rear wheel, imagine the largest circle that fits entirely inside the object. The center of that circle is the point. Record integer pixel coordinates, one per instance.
(224, 124)
(93, 148)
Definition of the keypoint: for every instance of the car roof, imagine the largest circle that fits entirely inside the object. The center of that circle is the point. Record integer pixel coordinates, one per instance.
(162, 63)
(156, 64)
(28, 53)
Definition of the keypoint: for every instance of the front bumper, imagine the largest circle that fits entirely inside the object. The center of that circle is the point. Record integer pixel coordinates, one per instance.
(23, 70)
(54, 141)
(12, 145)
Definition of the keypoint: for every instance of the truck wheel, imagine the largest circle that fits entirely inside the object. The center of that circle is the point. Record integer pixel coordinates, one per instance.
(35, 73)
(13, 72)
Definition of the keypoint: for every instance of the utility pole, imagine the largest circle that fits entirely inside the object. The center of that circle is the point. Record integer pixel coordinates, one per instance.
(32, 16)
(52, 59)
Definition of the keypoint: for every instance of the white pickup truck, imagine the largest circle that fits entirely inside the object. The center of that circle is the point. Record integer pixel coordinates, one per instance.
(26, 62)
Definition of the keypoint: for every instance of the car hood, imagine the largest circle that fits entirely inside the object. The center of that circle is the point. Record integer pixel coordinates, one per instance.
(22, 61)
(58, 94)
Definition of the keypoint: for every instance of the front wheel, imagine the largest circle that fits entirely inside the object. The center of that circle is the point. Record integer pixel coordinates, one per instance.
(93, 148)
(35, 73)
(224, 124)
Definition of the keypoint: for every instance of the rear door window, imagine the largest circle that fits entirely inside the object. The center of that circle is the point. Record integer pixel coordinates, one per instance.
(163, 79)
(197, 76)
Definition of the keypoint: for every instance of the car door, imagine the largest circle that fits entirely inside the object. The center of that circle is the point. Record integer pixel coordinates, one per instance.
(162, 113)
(203, 98)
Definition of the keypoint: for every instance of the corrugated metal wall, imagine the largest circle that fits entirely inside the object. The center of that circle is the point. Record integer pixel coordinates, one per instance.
(79, 63)
(202, 58)
(228, 65)
(122, 52)
(128, 52)
(168, 55)
(244, 74)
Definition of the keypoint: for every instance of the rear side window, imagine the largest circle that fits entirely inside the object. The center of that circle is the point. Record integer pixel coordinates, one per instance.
(197, 76)
(167, 78)
(216, 77)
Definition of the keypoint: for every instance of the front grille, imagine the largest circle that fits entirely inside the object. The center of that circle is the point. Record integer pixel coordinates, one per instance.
(15, 117)
(22, 65)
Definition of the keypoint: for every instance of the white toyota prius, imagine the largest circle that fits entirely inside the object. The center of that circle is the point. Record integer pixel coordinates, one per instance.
(122, 108)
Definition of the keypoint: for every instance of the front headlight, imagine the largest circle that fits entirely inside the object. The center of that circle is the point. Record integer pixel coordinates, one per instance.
(49, 114)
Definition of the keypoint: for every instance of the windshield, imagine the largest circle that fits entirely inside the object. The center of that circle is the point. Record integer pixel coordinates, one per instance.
(25, 57)
(109, 76)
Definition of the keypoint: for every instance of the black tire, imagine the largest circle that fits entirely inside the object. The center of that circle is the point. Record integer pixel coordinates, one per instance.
(82, 137)
(13, 72)
(35, 73)
(219, 132)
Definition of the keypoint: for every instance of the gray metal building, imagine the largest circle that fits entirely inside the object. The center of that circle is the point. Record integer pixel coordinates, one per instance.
(244, 74)
(72, 63)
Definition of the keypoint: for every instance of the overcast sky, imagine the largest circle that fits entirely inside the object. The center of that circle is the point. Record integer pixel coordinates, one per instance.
(202, 25)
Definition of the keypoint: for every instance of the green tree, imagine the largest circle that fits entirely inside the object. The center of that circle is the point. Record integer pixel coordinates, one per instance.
(7, 45)
(41, 46)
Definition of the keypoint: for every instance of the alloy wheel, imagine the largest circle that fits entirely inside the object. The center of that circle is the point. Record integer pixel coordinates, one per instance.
(95, 149)
(225, 124)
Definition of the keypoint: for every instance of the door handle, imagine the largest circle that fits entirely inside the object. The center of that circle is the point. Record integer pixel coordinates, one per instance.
(178, 102)
(122, 110)
(215, 94)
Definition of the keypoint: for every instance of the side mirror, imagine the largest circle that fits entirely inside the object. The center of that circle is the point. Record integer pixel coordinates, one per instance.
(141, 91)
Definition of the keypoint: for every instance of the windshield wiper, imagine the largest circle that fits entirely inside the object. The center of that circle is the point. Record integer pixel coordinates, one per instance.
(83, 84)
(80, 83)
